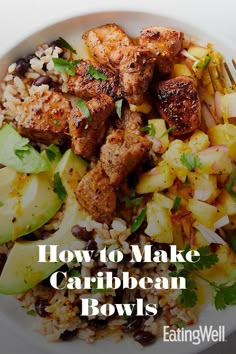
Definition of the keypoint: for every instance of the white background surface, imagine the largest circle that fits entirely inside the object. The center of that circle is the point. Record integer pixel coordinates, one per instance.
(18, 18)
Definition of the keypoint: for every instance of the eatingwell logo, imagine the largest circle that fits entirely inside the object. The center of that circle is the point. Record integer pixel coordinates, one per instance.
(196, 336)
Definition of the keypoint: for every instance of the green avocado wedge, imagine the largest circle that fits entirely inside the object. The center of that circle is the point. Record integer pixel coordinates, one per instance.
(22, 270)
(16, 153)
(28, 202)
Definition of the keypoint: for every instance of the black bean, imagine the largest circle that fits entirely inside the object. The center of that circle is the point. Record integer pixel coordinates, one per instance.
(40, 306)
(30, 237)
(158, 314)
(172, 267)
(3, 259)
(214, 247)
(81, 233)
(43, 80)
(54, 87)
(119, 295)
(55, 43)
(21, 67)
(91, 246)
(68, 335)
(30, 56)
(144, 338)
(98, 324)
(133, 324)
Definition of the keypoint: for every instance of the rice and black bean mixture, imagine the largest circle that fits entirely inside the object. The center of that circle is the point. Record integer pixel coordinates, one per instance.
(149, 81)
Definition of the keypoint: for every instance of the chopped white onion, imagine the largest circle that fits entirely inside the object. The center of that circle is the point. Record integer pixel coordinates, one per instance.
(209, 235)
(221, 222)
(156, 143)
(207, 117)
(228, 105)
(188, 55)
(218, 97)
(202, 194)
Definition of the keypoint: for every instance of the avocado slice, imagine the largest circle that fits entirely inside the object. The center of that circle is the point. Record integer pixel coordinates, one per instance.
(22, 270)
(28, 202)
(15, 152)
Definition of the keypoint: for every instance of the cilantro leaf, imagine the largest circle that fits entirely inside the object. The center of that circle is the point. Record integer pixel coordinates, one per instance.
(139, 220)
(231, 184)
(1, 204)
(150, 129)
(219, 301)
(58, 186)
(84, 109)
(52, 152)
(176, 203)
(64, 66)
(96, 74)
(188, 298)
(32, 313)
(74, 273)
(190, 161)
(118, 106)
(64, 44)
(95, 289)
(225, 296)
(171, 129)
(22, 147)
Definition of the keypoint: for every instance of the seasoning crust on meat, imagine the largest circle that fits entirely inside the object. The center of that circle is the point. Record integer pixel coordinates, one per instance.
(179, 104)
(88, 134)
(96, 195)
(44, 118)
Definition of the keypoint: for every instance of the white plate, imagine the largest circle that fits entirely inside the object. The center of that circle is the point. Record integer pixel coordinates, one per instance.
(12, 316)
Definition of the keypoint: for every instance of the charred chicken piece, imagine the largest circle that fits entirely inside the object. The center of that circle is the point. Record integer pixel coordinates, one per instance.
(178, 103)
(165, 44)
(122, 153)
(102, 40)
(95, 194)
(130, 121)
(44, 118)
(86, 86)
(136, 67)
(88, 134)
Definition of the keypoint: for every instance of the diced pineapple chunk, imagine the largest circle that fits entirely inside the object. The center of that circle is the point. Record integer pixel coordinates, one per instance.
(215, 160)
(173, 157)
(226, 204)
(157, 179)
(162, 201)
(159, 226)
(198, 141)
(224, 134)
(145, 107)
(204, 213)
(180, 70)
(160, 128)
(198, 52)
(204, 185)
(228, 103)
(200, 240)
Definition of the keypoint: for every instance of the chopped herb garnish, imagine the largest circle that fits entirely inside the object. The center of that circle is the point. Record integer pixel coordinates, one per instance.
(64, 44)
(139, 220)
(231, 184)
(231, 239)
(202, 63)
(131, 202)
(223, 294)
(150, 129)
(96, 74)
(21, 148)
(32, 313)
(176, 203)
(190, 161)
(55, 122)
(166, 132)
(58, 186)
(52, 152)
(1, 204)
(95, 289)
(118, 106)
(84, 109)
(74, 273)
(68, 67)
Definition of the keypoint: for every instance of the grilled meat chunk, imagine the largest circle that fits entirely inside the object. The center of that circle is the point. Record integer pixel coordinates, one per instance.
(86, 86)
(165, 44)
(122, 153)
(44, 118)
(130, 121)
(102, 40)
(178, 103)
(88, 134)
(136, 69)
(95, 194)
